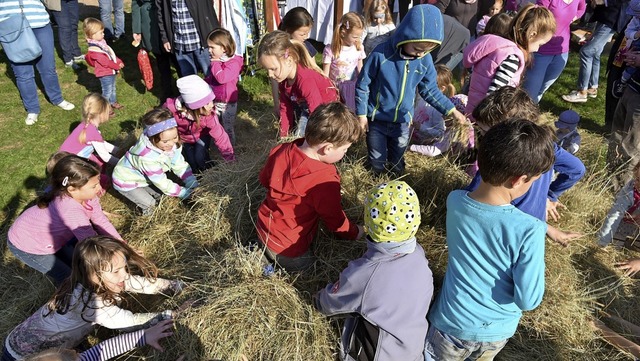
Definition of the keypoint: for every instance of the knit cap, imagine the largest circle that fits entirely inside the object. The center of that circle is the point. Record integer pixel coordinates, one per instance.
(391, 212)
(634, 8)
(568, 119)
(195, 92)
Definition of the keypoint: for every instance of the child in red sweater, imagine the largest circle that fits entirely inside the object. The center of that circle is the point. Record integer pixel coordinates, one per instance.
(302, 84)
(303, 186)
(105, 62)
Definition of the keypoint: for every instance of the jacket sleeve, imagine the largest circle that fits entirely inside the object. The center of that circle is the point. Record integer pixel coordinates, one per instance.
(221, 139)
(286, 107)
(582, 7)
(528, 270)
(115, 346)
(328, 204)
(570, 170)
(105, 62)
(369, 69)
(164, 37)
(153, 170)
(442, 5)
(428, 90)
(624, 200)
(104, 150)
(343, 296)
(225, 71)
(632, 28)
(182, 169)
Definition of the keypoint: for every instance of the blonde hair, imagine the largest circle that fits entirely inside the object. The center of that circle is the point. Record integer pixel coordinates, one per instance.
(94, 105)
(54, 354)
(348, 22)
(92, 26)
(444, 79)
(279, 44)
(531, 22)
(371, 9)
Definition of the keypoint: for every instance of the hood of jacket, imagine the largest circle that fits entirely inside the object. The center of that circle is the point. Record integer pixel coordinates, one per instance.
(289, 171)
(422, 23)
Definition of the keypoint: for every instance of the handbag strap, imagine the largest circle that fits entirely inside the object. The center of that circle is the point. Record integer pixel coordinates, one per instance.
(23, 18)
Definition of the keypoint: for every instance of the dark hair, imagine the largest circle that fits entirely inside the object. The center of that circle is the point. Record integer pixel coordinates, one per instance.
(506, 102)
(223, 38)
(498, 25)
(158, 115)
(514, 148)
(294, 19)
(333, 123)
(68, 171)
(90, 257)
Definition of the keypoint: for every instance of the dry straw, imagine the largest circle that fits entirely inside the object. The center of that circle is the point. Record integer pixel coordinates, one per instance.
(239, 313)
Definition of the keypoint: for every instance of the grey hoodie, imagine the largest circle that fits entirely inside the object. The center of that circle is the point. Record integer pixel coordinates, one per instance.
(388, 292)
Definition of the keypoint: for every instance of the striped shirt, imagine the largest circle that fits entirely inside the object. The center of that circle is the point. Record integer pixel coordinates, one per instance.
(505, 72)
(115, 346)
(185, 35)
(33, 9)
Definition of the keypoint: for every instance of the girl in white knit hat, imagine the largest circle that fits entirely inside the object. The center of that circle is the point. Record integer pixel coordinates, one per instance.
(198, 123)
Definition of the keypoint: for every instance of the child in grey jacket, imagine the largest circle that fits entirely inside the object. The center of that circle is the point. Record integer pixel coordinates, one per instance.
(385, 294)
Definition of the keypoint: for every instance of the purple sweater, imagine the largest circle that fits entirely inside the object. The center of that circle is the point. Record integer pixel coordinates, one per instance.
(564, 14)
(45, 230)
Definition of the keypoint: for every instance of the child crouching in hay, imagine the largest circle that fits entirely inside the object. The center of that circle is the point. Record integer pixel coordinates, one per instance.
(385, 293)
(303, 186)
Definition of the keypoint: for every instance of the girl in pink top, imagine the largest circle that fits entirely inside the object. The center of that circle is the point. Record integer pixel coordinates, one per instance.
(198, 124)
(87, 142)
(223, 78)
(302, 85)
(43, 237)
(342, 59)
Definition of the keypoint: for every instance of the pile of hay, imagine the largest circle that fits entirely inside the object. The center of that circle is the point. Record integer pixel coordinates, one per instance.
(239, 313)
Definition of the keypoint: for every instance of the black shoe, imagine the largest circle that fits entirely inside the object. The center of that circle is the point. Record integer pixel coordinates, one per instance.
(618, 88)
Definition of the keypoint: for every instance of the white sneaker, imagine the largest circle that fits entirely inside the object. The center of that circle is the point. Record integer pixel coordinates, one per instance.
(78, 58)
(31, 119)
(66, 105)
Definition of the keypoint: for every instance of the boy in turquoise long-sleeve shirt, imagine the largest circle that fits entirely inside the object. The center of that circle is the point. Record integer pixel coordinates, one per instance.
(496, 252)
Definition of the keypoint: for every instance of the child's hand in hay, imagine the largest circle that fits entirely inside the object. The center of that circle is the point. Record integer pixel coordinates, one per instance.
(154, 334)
(630, 266)
(561, 237)
(552, 209)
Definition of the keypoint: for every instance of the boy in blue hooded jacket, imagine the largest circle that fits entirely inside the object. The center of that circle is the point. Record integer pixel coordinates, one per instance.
(385, 91)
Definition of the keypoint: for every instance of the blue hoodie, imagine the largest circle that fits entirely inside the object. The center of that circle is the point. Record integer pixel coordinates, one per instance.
(386, 85)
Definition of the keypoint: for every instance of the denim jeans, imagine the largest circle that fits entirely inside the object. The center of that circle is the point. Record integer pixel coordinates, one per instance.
(56, 266)
(46, 65)
(197, 154)
(108, 84)
(387, 142)
(67, 19)
(442, 346)
(590, 57)
(106, 8)
(190, 61)
(143, 197)
(545, 71)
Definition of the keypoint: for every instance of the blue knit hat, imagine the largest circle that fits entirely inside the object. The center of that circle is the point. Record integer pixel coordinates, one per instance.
(568, 119)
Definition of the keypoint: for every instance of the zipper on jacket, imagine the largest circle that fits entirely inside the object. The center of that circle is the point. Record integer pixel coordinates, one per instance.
(404, 83)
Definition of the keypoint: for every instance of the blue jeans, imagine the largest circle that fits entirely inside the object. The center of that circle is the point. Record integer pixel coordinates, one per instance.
(190, 61)
(56, 266)
(117, 7)
(546, 69)
(108, 84)
(46, 65)
(197, 154)
(442, 346)
(67, 19)
(387, 142)
(590, 57)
